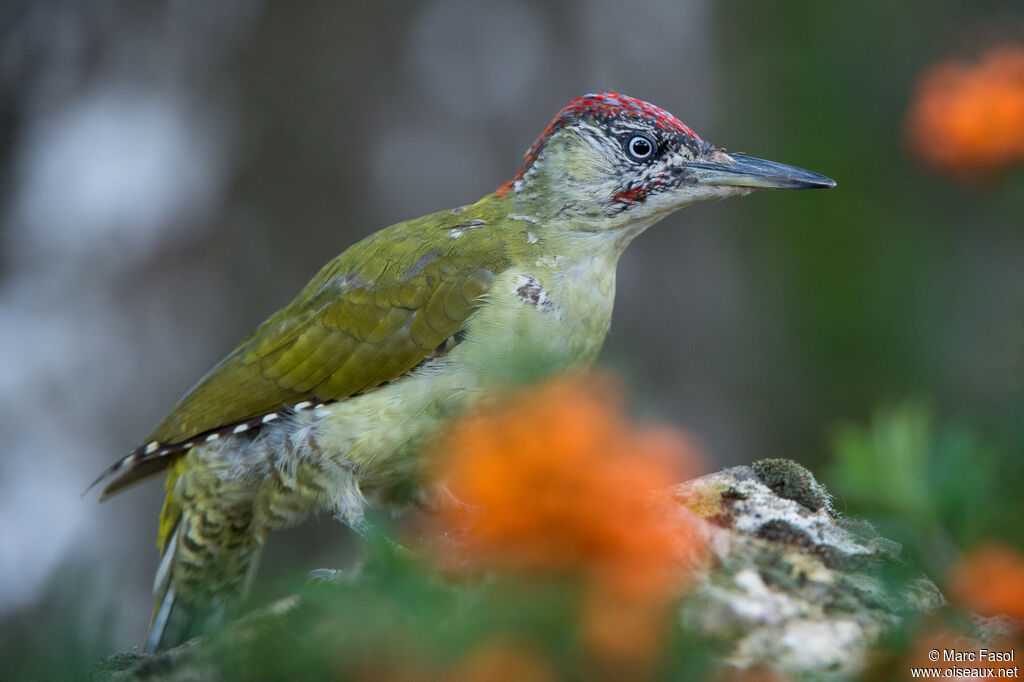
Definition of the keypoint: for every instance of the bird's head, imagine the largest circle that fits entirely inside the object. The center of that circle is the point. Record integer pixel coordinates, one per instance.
(609, 161)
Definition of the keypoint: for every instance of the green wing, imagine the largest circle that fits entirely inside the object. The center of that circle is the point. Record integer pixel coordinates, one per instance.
(368, 317)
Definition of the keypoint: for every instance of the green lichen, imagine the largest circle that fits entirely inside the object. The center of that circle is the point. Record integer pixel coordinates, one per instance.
(793, 482)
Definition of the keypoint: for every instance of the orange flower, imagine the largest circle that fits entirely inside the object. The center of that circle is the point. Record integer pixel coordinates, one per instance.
(403, 658)
(623, 632)
(940, 647)
(556, 481)
(990, 580)
(754, 674)
(501, 660)
(968, 119)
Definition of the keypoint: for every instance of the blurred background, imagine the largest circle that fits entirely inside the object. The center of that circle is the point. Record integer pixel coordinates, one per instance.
(172, 172)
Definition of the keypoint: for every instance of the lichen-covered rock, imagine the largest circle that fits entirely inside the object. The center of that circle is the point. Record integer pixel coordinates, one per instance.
(795, 587)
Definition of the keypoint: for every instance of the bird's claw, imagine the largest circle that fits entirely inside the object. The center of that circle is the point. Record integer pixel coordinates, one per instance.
(320, 576)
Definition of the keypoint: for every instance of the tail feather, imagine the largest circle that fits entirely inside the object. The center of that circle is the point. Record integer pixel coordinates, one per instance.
(163, 593)
(162, 579)
(176, 620)
(172, 620)
(207, 564)
(158, 625)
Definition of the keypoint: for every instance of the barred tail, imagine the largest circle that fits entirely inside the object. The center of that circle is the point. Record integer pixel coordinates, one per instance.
(172, 620)
(177, 619)
(209, 557)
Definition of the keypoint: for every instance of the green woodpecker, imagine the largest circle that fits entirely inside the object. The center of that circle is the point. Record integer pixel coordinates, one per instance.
(327, 403)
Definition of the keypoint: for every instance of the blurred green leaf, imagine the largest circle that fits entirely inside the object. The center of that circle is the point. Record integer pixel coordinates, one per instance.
(935, 488)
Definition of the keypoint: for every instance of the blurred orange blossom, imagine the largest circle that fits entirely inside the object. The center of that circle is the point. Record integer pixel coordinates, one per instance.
(495, 660)
(556, 481)
(968, 119)
(754, 674)
(941, 639)
(990, 581)
(502, 660)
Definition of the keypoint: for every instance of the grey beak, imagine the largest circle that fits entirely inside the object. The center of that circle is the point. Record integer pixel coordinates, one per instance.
(749, 171)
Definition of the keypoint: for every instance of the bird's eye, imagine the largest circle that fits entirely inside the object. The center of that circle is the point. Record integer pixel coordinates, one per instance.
(640, 147)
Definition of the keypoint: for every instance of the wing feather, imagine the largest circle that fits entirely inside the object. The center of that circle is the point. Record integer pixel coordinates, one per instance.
(370, 315)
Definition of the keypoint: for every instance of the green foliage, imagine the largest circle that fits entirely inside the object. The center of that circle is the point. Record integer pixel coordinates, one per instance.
(934, 488)
(398, 618)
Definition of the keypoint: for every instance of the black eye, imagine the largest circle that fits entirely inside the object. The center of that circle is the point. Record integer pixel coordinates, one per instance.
(640, 147)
